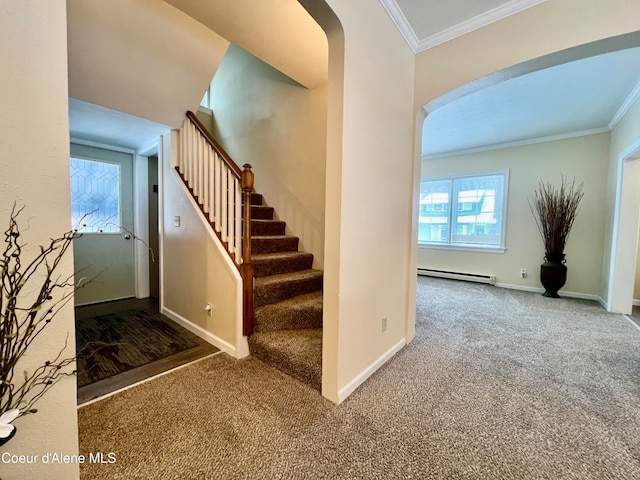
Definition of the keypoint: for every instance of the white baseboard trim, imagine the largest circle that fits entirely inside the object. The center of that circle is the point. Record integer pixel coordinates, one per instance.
(95, 302)
(604, 304)
(201, 332)
(632, 322)
(563, 293)
(359, 380)
(636, 303)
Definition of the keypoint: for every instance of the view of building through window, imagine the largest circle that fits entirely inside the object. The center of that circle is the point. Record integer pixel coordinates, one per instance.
(463, 211)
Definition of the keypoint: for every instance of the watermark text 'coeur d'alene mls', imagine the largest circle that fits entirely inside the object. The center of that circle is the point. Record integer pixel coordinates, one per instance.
(59, 458)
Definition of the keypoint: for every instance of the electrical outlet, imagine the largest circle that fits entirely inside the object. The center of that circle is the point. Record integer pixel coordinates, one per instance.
(176, 221)
(523, 273)
(384, 324)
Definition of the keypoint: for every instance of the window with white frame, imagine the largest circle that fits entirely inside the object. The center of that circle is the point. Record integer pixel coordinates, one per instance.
(464, 211)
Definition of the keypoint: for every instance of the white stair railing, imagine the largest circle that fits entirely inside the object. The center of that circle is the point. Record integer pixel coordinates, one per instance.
(218, 185)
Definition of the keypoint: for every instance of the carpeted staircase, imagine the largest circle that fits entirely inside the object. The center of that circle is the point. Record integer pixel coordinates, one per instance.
(288, 300)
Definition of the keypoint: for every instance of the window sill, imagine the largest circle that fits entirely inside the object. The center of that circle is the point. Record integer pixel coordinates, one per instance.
(463, 248)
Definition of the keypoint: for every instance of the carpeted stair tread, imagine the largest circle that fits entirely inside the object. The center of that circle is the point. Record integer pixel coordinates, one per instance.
(297, 353)
(260, 227)
(276, 288)
(300, 312)
(256, 198)
(261, 212)
(273, 244)
(266, 264)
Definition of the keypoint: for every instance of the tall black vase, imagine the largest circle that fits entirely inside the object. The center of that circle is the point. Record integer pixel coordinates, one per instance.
(553, 274)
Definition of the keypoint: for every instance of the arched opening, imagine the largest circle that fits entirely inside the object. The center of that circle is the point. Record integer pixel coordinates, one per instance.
(483, 127)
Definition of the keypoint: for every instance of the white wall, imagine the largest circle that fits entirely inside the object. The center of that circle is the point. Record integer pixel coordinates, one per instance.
(264, 118)
(586, 158)
(368, 206)
(34, 160)
(195, 268)
(280, 32)
(636, 290)
(145, 58)
(625, 134)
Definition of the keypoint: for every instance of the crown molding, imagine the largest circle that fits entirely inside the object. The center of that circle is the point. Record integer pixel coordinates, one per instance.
(401, 22)
(624, 108)
(482, 20)
(517, 143)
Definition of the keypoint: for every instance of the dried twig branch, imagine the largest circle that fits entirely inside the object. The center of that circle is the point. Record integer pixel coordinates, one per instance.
(555, 209)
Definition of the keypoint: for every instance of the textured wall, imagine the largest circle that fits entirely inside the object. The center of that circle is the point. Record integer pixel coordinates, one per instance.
(34, 160)
(264, 118)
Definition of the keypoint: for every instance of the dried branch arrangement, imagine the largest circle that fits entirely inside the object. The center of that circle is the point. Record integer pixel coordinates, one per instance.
(555, 209)
(32, 294)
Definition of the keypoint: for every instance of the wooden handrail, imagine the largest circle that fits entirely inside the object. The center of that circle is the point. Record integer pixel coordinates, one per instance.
(245, 180)
(237, 171)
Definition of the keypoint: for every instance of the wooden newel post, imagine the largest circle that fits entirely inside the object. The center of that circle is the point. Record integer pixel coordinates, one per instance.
(246, 269)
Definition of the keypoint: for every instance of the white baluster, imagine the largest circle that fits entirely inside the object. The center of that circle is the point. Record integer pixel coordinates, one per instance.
(206, 182)
(218, 193)
(201, 178)
(238, 221)
(232, 232)
(211, 161)
(181, 148)
(189, 176)
(223, 205)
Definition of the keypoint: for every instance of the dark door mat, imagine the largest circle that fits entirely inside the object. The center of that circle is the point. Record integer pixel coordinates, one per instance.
(114, 343)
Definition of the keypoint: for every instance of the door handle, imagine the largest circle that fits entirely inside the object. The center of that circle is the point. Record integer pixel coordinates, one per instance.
(127, 237)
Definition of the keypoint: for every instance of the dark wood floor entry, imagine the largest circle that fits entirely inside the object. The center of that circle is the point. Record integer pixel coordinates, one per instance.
(126, 341)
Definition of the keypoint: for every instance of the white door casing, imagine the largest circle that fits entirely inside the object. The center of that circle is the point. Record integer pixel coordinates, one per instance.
(625, 232)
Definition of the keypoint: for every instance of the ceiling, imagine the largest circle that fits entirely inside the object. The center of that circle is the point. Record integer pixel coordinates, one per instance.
(576, 98)
(573, 98)
(427, 23)
(92, 123)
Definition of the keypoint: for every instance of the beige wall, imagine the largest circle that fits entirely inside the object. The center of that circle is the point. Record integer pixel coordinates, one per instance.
(585, 158)
(264, 118)
(196, 270)
(34, 160)
(368, 206)
(625, 134)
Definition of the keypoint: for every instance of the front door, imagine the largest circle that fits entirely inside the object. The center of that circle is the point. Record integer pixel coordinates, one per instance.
(102, 212)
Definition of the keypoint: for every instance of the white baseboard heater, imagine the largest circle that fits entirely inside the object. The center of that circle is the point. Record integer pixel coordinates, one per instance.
(468, 277)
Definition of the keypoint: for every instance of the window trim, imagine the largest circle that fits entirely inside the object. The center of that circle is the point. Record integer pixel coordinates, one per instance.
(501, 248)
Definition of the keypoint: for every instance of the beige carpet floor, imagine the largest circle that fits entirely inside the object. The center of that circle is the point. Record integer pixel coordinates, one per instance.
(498, 384)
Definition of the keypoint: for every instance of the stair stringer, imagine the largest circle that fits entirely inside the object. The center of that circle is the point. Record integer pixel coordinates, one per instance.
(240, 347)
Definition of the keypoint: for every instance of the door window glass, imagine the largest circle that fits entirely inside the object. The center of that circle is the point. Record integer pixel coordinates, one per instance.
(95, 196)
